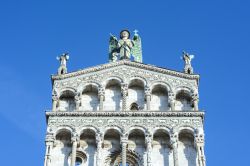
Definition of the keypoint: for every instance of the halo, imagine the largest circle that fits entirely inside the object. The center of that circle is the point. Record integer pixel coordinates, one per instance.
(123, 31)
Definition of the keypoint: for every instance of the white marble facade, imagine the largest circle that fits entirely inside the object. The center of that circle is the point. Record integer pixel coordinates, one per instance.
(125, 113)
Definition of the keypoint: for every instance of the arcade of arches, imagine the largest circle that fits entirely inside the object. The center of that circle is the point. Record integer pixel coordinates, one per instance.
(134, 97)
(140, 149)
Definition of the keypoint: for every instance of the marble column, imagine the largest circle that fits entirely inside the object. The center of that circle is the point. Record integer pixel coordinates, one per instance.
(49, 144)
(73, 153)
(124, 142)
(199, 142)
(101, 94)
(195, 100)
(78, 101)
(174, 144)
(171, 100)
(148, 97)
(54, 102)
(149, 149)
(124, 90)
(99, 149)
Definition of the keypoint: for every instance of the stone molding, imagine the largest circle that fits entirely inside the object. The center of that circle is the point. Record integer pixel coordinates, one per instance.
(124, 124)
(129, 63)
(128, 114)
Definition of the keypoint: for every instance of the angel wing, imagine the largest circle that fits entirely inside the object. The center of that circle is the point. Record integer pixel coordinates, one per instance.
(137, 49)
(112, 47)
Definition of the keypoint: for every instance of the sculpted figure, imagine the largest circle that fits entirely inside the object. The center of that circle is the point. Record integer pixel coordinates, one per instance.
(187, 59)
(125, 47)
(63, 63)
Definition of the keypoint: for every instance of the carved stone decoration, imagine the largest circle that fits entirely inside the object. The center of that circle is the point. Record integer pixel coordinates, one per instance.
(124, 91)
(63, 63)
(94, 119)
(174, 144)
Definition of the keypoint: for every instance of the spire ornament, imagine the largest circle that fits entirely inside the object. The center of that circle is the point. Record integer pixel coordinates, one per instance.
(125, 47)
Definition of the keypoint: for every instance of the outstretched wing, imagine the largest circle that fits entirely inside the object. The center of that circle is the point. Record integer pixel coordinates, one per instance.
(137, 49)
(112, 47)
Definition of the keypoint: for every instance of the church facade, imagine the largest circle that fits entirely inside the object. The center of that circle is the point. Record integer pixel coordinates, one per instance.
(125, 113)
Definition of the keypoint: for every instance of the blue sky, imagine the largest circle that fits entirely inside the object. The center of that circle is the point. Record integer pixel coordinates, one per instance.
(33, 33)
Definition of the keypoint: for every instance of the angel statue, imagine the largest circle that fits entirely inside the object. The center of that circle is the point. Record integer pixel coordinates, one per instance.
(125, 47)
(187, 59)
(63, 63)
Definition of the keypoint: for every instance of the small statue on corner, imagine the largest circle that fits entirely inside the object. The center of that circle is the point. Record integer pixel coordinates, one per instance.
(63, 63)
(187, 59)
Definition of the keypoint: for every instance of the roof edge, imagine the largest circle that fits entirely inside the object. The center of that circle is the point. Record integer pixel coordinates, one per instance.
(129, 63)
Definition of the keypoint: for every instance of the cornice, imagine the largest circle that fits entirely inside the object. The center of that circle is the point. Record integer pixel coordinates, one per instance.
(128, 63)
(127, 114)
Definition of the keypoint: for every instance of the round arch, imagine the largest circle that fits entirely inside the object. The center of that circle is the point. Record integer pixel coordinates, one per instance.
(141, 128)
(184, 89)
(63, 129)
(187, 129)
(116, 128)
(143, 80)
(118, 79)
(165, 129)
(71, 90)
(164, 84)
(93, 128)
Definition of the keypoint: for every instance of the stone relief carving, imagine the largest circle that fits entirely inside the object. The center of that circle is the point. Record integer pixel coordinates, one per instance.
(124, 123)
(125, 73)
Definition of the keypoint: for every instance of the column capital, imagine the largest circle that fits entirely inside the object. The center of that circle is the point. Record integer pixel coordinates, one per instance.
(195, 96)
(124, 139)
(124, 89)
(55, 97)
(75, 138)
(171, 95)
(199, 139)
(49, 140)
(147, 91)
(101, 92)
(174, 138)
(77, 97)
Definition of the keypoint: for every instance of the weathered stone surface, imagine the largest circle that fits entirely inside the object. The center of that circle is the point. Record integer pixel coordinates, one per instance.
(125, 111)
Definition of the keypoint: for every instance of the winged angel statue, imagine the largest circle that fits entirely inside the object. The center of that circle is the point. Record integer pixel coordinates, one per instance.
(124, 48)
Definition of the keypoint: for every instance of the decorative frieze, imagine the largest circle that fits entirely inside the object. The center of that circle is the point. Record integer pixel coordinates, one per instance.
(123, 122)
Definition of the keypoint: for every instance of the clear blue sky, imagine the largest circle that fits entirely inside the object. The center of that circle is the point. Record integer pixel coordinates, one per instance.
(33, 33)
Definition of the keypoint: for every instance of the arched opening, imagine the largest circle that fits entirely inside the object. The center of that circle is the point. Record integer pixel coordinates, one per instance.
(186, 149)
(90, 100)
(112, 96)
(183, 101)
(88, 144)
(67, 101)
(161, 148)
(136, 93)
(159, 98)
(111, 146)
(62, 148)
(136, 142)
